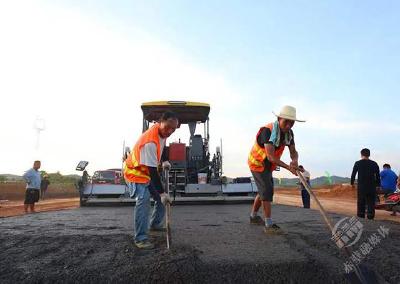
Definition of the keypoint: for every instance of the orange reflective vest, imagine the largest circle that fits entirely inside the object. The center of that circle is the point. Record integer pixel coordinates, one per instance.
(133, 170)
(259, 154)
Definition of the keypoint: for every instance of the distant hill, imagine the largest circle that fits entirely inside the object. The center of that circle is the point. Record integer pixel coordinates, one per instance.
(334, 179)
(10, 177)
(73, 176)
(322, 180)
(54, 177)
(318, 181)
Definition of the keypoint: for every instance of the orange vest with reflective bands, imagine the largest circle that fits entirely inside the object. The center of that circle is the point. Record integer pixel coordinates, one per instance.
(133, 170)
(259, 154)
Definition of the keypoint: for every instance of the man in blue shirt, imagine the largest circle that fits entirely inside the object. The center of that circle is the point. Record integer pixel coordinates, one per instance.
(32, 179)
(388, 180)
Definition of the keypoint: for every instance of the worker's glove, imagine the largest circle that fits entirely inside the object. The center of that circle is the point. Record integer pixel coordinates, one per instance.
(166, 165)
(165, 198)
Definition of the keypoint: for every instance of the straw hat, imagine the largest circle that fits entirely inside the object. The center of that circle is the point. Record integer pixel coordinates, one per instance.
(288, 112)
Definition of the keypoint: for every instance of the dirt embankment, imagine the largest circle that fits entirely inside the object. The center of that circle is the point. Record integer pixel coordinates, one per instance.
(337, 190)
(15, 191)
(58, 196)
(16, 208)
(340, 199)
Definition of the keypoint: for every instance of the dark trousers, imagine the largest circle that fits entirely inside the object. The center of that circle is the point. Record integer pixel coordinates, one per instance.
(43, 192)
(366, 200)
(305, 196)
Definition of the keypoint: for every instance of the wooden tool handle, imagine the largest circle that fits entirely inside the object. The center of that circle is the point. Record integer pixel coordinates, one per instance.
(168, 210)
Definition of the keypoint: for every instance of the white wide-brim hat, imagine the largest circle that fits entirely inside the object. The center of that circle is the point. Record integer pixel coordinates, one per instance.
(288, 112)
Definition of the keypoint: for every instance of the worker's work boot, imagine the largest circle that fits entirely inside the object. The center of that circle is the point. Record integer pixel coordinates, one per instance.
(274, 229)
(256, 220)
(146, 244)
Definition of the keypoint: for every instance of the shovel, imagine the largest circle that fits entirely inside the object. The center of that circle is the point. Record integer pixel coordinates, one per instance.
(168, 210)
(361, 274)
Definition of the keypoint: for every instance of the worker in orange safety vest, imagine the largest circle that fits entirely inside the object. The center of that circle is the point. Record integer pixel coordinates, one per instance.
(265, 157)
(143, 180)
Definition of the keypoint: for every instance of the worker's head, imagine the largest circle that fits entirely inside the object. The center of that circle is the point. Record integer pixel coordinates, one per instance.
(36, 165)
(45, 176)
(386, 166)
(285, 124)
(168, 124)
(301, 167)
(286, 118)
(365, 153)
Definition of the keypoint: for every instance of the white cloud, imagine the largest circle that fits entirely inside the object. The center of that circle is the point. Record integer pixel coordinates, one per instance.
(328, 115)
(334, 134)
(88, 78)
(88, 82)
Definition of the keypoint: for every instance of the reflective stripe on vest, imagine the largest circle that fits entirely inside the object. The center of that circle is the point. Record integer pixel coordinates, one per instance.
(259, 154)
(133, 170)
(254, 161)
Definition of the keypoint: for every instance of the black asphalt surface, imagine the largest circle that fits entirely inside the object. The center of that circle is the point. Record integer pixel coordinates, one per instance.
(211, 243)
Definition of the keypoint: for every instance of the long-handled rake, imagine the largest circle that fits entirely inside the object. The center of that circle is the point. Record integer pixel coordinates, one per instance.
(168, 210)
(363, 274)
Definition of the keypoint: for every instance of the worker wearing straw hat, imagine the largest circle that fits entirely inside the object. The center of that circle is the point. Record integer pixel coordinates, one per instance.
(265, 156)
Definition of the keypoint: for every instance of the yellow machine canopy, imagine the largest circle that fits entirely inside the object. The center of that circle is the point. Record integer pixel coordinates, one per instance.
(187, 112)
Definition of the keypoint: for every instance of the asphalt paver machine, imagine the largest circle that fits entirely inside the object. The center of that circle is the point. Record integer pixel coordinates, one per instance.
(193, 169)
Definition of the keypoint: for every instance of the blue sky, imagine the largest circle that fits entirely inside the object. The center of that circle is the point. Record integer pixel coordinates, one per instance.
(346, 45)
(336, 61)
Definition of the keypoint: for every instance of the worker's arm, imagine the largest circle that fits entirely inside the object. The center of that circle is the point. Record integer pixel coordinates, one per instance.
(27, 176)
(354, 172)
(270, 148)
(157, 189)
(156, 180)
(294, 155)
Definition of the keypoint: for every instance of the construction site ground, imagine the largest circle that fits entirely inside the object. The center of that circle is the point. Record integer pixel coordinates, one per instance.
(336, 199)
(211, 243)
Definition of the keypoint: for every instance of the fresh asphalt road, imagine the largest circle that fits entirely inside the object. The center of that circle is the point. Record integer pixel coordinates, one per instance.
(210, 243)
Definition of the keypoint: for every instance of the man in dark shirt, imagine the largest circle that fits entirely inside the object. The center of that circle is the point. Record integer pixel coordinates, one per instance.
(367, 181)
(44, 184)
